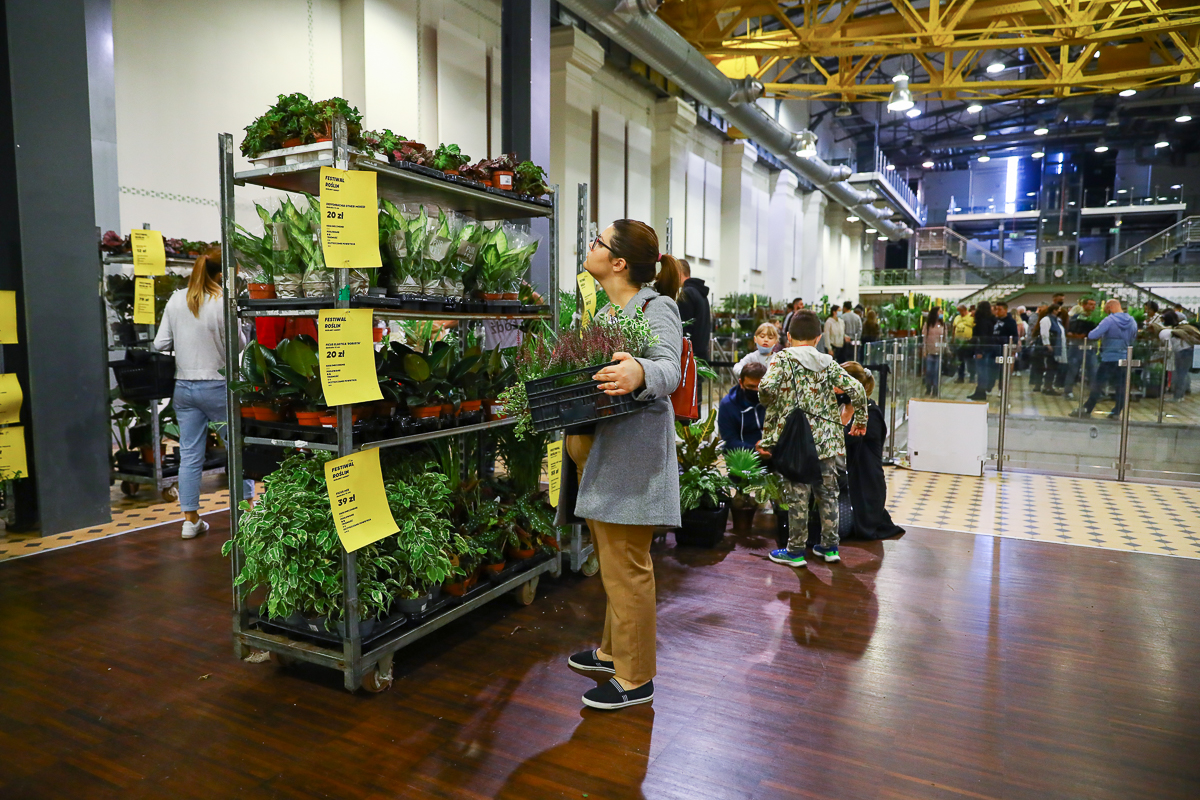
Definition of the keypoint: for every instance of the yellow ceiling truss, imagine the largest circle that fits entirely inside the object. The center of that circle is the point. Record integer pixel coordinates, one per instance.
(1071, 46)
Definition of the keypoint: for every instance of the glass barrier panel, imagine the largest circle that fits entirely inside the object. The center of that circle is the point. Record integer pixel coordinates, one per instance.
(1164, 413)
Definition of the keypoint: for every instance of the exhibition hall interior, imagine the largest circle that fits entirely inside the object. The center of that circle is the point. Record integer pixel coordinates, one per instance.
(666, 399)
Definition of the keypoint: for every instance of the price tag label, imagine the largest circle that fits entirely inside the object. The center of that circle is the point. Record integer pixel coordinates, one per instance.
(12, 453)
(587, 290)
(358, 500)
(143, 301)
(8, 317)
(348, 356)
(11, 398)
(349, 219)
(149, 255)
(554, 465)
(910, 300)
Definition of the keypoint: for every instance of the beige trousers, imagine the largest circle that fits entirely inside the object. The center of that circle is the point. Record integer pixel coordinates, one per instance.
(628, 577)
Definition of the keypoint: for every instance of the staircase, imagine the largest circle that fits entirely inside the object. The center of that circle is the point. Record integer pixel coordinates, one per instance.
(1157, 254)
(1076, 278)
(961, 258)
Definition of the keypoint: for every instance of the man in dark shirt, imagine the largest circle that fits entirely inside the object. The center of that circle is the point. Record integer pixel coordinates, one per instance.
(694, 311)
(1005, 332)
(1078, 351)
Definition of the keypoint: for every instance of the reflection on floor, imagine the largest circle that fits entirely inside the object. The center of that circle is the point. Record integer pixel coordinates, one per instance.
(1138, 517)
(144, 510)
(936, 665)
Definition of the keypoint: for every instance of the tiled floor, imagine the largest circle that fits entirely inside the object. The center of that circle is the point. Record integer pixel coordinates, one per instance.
(1136, 517)
(129, 514)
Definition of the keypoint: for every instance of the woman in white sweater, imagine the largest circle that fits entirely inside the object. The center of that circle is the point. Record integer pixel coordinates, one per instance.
(193, 325)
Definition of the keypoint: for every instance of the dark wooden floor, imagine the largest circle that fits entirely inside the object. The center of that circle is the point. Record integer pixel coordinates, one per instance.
(935, 666)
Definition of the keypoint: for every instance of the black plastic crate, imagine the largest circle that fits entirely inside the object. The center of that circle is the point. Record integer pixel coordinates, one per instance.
(553, 407)
(143, 375)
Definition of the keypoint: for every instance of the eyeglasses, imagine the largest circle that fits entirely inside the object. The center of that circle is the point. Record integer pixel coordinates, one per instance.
(602, 243)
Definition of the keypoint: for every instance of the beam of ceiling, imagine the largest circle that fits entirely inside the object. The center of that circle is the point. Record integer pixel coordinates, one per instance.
(836, 50)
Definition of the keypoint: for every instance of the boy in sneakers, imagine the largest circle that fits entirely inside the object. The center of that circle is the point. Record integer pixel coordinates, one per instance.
(802, 376)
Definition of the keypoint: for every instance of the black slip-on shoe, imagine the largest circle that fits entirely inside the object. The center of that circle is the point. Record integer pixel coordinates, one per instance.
(610, 696)
(586, 663)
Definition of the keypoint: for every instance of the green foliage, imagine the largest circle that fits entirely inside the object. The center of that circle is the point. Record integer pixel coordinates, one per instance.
(449, 157)
(753, 483)
(530, 179)
(503, 258)
(294, 116)
(702, 488)
(698, 445)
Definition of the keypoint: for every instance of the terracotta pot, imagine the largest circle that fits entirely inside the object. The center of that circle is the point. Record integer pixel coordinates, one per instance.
(463, 586)
(385, 408)
(262, 291)
(377, 334)
(425, 412)
(510, 296)
(450, 172)
(362, 411)
(248, 412)
(518, 554)
(267, 414)
(492, 295)
(148, 453)
(295, 141)
(309, 418)
(502, 180)
(328, 419)
(447, 409)
(494, 569)
(469, 406)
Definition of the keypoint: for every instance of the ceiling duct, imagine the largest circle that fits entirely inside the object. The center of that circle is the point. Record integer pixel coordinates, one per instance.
(633, 26)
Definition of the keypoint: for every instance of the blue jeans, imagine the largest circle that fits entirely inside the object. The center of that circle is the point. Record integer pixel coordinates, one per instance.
(932, 367)
(1108, 372)
(1181, 378)
(198, 403)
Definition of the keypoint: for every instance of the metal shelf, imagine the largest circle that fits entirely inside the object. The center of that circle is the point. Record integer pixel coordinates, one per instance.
(385, 313)
(396, 442)
(401, 186)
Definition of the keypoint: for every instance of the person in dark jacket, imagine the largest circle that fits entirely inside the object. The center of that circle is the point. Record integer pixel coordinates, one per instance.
(695, 312)
(740, 418)
(983, 345)
(864, 464)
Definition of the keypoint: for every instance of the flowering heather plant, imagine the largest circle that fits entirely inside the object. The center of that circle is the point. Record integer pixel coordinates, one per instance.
(541, 356)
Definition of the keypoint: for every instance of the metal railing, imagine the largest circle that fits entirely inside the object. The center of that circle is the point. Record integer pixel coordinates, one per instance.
(1163, 243)
(898, 184)
(958, 247)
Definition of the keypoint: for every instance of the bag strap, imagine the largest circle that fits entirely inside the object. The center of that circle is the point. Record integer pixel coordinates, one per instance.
(807, 413)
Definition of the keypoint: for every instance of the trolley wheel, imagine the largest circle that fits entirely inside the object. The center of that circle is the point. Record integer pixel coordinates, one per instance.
(376, 681)
(590, 566)
(280, 660)
(527, 591)
(129, 488)
(170, 493)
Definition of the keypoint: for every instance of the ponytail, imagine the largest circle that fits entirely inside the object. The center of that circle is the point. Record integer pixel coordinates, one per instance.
(670, 276)
(205, 281)
(637, 243)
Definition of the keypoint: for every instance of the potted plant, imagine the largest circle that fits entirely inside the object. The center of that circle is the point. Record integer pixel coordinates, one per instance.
(530, 179)
(502, 170)
(479, 172)
(448, 158)
(752, 483)
(703, 489)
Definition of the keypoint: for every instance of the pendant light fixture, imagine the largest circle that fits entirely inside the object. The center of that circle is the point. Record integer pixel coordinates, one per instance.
(901, 98)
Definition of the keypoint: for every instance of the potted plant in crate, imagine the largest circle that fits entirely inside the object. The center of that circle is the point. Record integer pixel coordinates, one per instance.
(703, 489)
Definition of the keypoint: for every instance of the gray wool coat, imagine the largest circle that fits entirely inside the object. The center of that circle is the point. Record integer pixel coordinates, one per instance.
(632, 474)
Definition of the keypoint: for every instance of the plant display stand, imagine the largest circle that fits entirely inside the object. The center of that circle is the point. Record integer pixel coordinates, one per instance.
(362, 651)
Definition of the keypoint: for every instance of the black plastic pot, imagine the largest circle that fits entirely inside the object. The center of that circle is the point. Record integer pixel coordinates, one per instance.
(702, 527)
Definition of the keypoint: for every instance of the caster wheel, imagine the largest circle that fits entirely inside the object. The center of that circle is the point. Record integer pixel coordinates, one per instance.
(280, 660)
(170, 494)
(376, 681)
(590, 566)
(527, 591)
(129, 489)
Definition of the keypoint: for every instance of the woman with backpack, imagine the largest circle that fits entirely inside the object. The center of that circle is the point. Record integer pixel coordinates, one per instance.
(623, 478)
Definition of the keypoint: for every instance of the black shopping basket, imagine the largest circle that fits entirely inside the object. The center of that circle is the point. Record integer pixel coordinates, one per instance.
(144, 376)
(553, 407)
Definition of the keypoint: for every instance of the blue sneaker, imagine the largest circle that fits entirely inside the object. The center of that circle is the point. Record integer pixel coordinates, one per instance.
(786, 556)
(830, 555)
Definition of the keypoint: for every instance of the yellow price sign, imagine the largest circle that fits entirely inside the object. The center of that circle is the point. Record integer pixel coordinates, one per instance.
(12, 453)
(11, 398)
(347, 356)
(554, 467)
(349, 219)
(358, 500)
(587, 290)
(143, 301)
(910, 300)
(8, 317)
(149, 255)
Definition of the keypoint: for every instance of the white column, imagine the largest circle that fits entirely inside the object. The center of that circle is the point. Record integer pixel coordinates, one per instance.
(380, 67)
(781, 242)
(574, 59)
(812, 243)
(673, 123)
(738, 231)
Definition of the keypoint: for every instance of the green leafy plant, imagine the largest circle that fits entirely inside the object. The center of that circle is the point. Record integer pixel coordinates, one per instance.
(702, 488)
(751, 480)
(295, 116)
(530, 179)
(698, 445)
(449, 157)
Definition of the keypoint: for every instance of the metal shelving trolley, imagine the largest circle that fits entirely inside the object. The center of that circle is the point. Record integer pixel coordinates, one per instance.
(364, 662)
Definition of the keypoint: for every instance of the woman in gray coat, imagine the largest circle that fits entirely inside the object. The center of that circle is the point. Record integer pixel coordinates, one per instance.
(624, 478)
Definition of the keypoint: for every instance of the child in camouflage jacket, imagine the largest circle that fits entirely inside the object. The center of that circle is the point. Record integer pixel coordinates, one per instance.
(801, 376)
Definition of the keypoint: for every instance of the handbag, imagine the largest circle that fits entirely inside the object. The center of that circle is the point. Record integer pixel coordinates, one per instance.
(685, 400)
